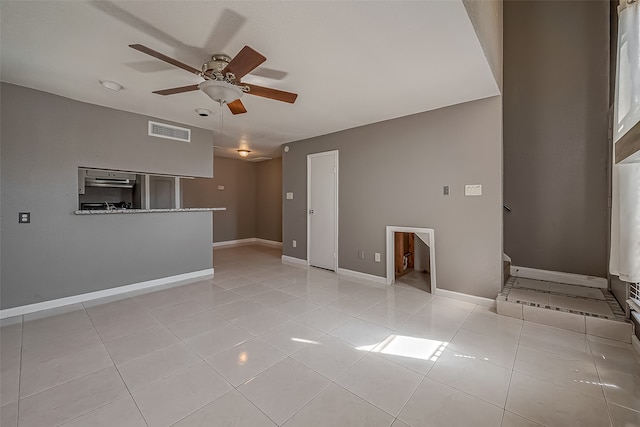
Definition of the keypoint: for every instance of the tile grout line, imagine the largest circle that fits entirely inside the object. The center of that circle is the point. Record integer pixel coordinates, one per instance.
(426, 375)
(604, 395)
(85, 375)
(287, 356)
(469, 394)
(513, 369)
(205, 361)
(236, 388)
(331, 381)
(411, 397)
(62, 383)
(20, 370)
(220, 374)
(308, 367)
(314, 396)
(117, 370)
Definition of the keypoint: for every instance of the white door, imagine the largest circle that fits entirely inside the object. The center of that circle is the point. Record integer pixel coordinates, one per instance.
(322, 210)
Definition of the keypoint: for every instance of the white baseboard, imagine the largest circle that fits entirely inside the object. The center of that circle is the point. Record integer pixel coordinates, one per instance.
(506, 257)
(558, 276)
(249, 241)
(271, 243)
(365, 276)
(230, 243)
(487, 302)
(294, 261)
(61, 302)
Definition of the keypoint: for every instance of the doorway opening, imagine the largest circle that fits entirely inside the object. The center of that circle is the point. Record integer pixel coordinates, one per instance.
(411, 257)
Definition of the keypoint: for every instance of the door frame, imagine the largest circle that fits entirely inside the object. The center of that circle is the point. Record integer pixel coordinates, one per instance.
(334, 153)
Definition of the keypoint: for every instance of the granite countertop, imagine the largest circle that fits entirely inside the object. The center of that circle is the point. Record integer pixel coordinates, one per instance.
(141, 211)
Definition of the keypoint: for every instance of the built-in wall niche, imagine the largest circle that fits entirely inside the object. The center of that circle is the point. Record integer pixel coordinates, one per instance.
(102, 189)
(411, 257)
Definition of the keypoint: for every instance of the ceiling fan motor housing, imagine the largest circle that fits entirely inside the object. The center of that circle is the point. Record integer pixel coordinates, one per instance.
(215, 67)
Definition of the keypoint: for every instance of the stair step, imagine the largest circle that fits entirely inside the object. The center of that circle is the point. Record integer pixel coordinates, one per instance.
(593, 311)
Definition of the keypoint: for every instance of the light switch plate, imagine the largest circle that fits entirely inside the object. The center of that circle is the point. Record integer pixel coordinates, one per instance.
(289, 196)
(377, 257)
(473, 190)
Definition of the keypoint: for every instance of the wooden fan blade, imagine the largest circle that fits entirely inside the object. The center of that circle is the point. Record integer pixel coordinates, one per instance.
(175, 90)
(245, 61)
(165, 58)
(265, 92)
(237, 107)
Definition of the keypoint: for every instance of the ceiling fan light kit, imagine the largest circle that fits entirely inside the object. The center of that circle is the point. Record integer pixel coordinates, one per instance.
(220, 91)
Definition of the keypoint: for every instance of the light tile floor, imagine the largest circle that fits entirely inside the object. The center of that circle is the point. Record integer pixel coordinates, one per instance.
(266, 344)
(416, 279)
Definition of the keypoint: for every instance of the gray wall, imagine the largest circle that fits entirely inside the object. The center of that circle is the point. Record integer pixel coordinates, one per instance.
(392, 173)
(44, 139)
(555, 134)
(239, 197)
(252, 195)
(269, 200)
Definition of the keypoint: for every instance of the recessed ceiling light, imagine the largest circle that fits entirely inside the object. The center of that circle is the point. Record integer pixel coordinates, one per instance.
(111, 85)
(243, 153)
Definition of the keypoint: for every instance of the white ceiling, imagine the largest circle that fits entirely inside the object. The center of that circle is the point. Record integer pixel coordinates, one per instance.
(352, 63)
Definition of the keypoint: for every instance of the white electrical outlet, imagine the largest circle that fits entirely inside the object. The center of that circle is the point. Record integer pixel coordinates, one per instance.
(377, 256)
(473, 190)
(220, 187)
(289, 196)
(295, 243)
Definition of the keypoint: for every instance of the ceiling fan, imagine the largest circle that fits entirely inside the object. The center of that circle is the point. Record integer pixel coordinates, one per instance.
(222, 78)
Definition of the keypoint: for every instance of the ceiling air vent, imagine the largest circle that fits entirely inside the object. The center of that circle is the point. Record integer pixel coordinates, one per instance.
(162, 130)
(259, 159)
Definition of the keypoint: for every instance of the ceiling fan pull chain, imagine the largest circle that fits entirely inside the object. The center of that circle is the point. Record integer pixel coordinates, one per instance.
(221, 118)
